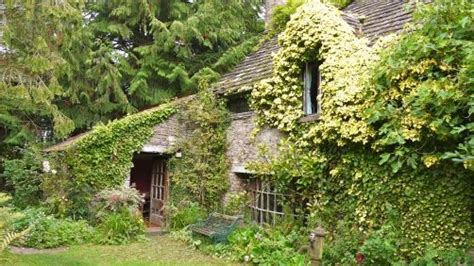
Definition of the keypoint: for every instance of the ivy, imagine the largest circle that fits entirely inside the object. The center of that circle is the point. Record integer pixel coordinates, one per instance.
(202, 173)
(344, 58)
(422, 101)
(103, 158)
(391, 114)
(281, 14)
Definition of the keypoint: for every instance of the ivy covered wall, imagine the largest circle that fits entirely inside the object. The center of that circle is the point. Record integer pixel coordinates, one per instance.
(201, 174)
(391, 115)
(103, 158)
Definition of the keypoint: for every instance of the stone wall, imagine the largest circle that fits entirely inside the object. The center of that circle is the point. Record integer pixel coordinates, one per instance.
(165, 136)
(242, 148)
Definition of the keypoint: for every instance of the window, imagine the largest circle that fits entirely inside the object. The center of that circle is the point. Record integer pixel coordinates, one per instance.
(311, 83)
(238, 104)
(266, 204)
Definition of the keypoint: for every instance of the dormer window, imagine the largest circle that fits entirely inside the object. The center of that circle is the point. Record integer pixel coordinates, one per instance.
(311, 83)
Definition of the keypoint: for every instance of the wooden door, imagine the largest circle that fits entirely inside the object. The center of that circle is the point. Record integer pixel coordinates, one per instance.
(159, 192)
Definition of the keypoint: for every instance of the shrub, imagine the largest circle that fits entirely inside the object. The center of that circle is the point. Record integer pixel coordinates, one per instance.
(115, 200)
(268, 246)
(115, 211)
(185, 213)
(120, 227)
(342, 243)
(56, 186)
(48, 231)
(445, 257)
(381, 247)
(349, 246)
(237, 203)
(24, 175)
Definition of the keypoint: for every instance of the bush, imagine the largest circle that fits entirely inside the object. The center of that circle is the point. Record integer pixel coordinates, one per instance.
(237, 203)
(120, 227)
(48, 231)
(185, 213)
(269, 246)
(116, 214)
(115, 200)
(24, 175)
(342, 243)
(348, 246)
(445, 257)
(380, 248)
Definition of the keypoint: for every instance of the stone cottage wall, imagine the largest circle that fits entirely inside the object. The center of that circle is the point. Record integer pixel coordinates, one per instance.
(165, 136)
(243, 148)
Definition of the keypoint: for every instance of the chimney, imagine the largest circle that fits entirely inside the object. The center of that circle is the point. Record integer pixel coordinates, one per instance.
(269, 6)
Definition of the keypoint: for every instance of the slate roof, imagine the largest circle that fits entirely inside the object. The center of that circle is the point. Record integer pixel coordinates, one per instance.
(255, 67)
(162, 131)
(66, 143)
(379, 17)
(369, 18)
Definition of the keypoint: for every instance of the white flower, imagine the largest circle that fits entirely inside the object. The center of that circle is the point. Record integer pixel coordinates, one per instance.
(46, 166)
(246, 258)
(54, 172)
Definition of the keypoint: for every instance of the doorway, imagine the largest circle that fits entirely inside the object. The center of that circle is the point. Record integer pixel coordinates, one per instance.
(158, 192)
(150, 177)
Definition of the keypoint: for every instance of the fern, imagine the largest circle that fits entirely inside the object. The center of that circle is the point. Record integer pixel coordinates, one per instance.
(7, 217)
(8, 238)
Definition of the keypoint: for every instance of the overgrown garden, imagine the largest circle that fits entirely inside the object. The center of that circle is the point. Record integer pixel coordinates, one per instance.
(70, 66)
(386, 169)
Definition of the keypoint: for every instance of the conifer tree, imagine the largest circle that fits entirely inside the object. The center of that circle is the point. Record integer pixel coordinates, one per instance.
(75, 63)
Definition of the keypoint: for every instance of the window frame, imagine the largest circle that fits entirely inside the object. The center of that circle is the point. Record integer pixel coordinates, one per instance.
(266, 204)
(307, 92)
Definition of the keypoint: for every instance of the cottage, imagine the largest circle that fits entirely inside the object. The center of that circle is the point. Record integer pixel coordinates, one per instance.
(150, 172)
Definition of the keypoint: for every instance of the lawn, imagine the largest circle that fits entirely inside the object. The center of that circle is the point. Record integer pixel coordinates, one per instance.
(159, 250)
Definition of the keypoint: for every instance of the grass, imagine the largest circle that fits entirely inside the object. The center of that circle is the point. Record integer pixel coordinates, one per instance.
(159, 250)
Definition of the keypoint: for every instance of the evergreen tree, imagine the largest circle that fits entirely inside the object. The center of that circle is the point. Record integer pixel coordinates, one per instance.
(76, 63)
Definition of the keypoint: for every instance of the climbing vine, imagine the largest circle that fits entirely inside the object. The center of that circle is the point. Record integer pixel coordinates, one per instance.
(103, 158)
(344, 58)
(202, 173)
(390, 114)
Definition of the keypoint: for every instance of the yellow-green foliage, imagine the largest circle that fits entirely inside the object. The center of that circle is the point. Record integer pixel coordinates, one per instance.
(317, 33)
(7, 216)
(346, 165)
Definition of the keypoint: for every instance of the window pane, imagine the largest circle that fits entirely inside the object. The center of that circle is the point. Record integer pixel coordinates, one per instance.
(311, 80)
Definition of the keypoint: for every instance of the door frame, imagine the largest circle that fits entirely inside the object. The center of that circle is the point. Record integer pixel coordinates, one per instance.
(159, 191)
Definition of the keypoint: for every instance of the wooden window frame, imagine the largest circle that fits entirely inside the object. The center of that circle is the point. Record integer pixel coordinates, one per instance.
(266, 203)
